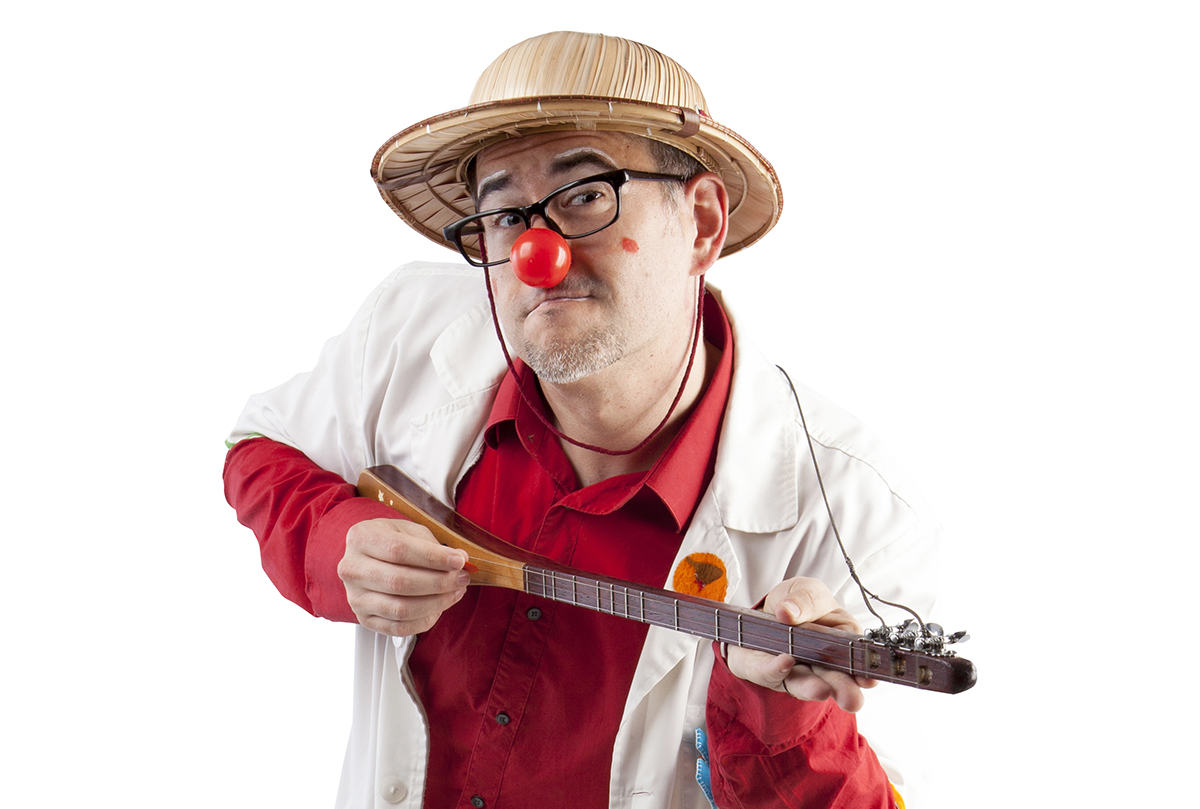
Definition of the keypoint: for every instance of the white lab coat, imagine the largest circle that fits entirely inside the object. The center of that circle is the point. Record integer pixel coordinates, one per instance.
(411, 382)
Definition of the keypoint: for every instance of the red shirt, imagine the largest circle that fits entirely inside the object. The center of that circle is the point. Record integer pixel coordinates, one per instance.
(523, 706)
(524, 695)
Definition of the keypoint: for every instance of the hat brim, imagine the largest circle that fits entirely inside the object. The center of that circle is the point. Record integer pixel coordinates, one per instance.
(421, 171)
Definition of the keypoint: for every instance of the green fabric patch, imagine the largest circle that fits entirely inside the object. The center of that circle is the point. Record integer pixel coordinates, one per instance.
(229, 444)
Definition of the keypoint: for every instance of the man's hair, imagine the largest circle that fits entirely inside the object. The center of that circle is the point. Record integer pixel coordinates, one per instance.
(667, 160)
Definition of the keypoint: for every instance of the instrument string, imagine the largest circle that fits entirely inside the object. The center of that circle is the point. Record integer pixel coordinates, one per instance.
(756, 632)
(748, 631)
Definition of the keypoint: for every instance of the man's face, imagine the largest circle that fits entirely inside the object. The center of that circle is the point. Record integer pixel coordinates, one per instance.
(630, 288)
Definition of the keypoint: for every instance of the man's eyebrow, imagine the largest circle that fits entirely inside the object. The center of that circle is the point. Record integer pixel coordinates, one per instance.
(491, 184)
(560, 165)
(567, 161)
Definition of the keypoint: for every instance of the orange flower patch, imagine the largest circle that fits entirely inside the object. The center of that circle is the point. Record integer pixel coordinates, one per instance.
(701, 574)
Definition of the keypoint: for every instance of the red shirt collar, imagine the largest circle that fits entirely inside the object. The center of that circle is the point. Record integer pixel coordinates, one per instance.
(677, 479)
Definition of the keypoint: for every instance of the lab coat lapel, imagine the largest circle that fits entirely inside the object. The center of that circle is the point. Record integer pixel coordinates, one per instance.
(664, 648)
(754, 480)
(447, 440)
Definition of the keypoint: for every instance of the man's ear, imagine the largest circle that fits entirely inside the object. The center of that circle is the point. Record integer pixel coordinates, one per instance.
(709, 205)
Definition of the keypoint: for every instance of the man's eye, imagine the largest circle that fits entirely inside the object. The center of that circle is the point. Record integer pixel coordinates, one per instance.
(504, 220)
(584, 196)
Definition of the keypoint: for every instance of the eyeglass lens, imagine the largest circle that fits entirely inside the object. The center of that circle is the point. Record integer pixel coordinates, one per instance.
(575, 211)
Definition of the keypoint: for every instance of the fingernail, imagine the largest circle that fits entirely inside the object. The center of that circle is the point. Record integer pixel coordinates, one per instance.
(792, 610)
(463, 578)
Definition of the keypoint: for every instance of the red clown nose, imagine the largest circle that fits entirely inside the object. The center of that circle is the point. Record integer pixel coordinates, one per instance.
(540, 258)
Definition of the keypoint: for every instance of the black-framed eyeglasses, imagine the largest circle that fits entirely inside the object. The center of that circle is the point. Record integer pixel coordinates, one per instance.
(578, 209)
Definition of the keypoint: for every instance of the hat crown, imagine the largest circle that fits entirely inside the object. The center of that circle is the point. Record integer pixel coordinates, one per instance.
(568, 63)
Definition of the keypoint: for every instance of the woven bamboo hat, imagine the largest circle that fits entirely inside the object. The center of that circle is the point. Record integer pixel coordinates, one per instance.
(563, 81)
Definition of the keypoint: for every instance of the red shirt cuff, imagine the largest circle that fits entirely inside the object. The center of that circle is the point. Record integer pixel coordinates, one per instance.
(326, 546)
(767, 748)
(772, 717)
(300, 514)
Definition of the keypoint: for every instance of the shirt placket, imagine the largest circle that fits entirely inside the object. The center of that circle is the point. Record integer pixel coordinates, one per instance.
(529, 630)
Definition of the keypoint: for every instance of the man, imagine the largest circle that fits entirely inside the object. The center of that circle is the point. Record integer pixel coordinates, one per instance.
(631, 433)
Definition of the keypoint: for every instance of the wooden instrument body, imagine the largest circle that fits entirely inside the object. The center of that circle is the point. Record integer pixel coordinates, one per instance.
(497, 563)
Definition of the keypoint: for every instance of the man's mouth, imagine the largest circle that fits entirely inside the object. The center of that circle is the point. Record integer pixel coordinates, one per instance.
(554, 299)
(558, 296)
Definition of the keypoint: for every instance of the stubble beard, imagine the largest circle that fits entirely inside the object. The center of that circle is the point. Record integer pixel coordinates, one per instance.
(562, 362)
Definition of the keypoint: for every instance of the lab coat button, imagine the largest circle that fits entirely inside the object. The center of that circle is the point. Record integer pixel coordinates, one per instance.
(392, 790)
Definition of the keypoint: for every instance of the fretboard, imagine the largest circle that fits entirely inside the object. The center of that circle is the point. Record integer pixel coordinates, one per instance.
(750, 629)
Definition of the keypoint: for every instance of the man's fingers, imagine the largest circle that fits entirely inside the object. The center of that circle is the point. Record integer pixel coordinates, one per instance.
(842, 687)
(816, 683)
(394, 615)
(398, 578)
(812, 683)
(761, 668)
(807, 686)
(372, 575)
(401, 542)
(802, 601)
(397, 557)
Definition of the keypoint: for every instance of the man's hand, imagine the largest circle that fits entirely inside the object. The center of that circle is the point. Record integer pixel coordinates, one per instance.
(802, 601)
(398, 579)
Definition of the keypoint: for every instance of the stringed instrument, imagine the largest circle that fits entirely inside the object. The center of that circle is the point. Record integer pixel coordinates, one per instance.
(894, 654)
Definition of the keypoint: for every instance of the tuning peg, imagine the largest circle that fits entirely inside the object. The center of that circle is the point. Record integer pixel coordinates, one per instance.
(934, 629)
(958, 637)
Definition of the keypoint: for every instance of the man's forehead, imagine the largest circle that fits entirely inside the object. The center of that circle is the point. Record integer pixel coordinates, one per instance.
(546, 148)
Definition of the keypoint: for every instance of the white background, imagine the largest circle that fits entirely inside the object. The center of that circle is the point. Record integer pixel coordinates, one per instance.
(988, 253)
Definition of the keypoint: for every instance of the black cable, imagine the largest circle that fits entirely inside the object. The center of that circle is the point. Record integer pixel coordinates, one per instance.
(867, 595)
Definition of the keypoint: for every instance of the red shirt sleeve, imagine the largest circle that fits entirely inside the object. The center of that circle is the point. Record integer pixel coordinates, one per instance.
(767, 748)
(300, 514)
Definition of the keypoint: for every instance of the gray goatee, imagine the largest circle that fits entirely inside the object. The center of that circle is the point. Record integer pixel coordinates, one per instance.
(565, 362)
